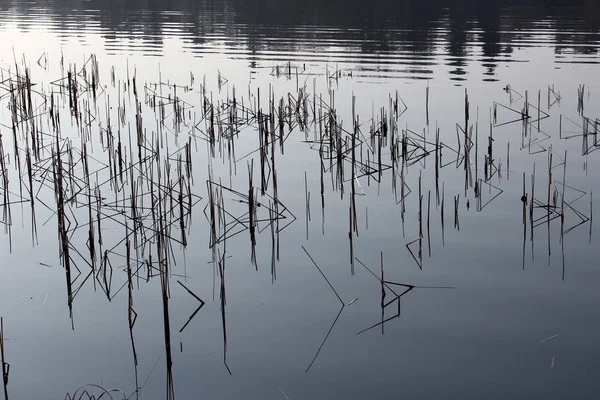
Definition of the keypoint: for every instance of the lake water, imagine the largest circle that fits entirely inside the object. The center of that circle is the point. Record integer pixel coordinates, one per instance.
(388, 244)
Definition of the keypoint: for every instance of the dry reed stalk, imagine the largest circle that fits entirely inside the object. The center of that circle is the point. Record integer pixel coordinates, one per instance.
(7, 216)
(272, 217)
(322, 182)
(532, 201)
(131, 314)
(252, 213)
(163, 257)
(549, 190)
(383, 285)
(442, 215)
(428, 217)
(353, 223)
(5, 365)
(223, 305)
(525, 115)
(524, 201)
(456, 221)
(437, 165)
(427, 103)
(562, 207)
(508, 160)
(34, 238)
(420, 217)
(57, 171)
(306, 203)
(539, 109)
(180, 201)
(466, 111)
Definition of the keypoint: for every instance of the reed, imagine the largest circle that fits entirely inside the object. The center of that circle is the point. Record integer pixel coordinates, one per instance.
(549, 207)
(64, 245)
(343, 305)
(352, 211)
(428, 218)
(5, 365)
(442, 217)
(562, 202)
(427, 103)
(131, 314)
(456, 220)
(437, 165)
(252, 213)
(6, 209)
(420, 221)
(524, 201)
(306, 203)
(222, 297)
(580, 99)
(508, 161)
(532, 201)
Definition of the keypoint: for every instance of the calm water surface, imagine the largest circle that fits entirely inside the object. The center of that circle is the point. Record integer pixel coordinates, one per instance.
(495, 309)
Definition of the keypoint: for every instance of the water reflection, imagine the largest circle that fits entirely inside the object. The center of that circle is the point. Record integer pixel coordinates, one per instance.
(407, 37)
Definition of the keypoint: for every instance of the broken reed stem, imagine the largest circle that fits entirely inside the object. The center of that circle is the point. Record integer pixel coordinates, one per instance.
(477, 154)
(131, 314)
(353, 223)
(531, 201)
(562, 206)
(252, 213)
(350, 237)
(223, 305)
(273, 243)
(5, 365)
(420, 217)
(466, 111)
(402, 189)
(382, 293)
(456, 222)
(437, 165)
(539, 109)
(428, 216)
(548, 203)
(6, 213)
(306, 203)
(524, 201)
(427, 104)
(34, 238)
(274, 229)
(508, 161)
(57, 170)
(162, 249)
(326, 280)
(442, 215)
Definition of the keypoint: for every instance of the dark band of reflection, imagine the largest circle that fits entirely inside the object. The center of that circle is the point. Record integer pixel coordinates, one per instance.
(418, 29)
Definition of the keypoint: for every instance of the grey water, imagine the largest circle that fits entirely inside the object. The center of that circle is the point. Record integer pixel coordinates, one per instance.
(496, 308)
